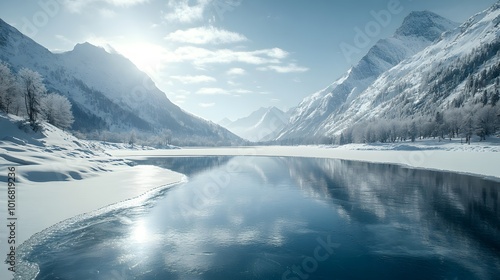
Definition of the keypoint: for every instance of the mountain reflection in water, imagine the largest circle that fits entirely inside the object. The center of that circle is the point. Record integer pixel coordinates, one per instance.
(287, 218)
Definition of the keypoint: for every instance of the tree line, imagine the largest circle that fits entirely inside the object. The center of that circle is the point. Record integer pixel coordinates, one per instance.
(473, 111)
(481, 119)
(24, 94)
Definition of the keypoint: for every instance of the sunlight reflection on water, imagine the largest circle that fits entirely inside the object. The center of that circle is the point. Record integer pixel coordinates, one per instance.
(269, 215)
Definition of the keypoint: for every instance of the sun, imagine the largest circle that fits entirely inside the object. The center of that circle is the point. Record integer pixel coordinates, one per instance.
(146, 56)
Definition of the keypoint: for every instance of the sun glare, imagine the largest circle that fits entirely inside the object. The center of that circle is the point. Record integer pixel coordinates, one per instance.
(147, 57)
(139, 233)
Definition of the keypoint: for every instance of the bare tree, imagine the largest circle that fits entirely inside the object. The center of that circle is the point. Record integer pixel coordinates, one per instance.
(32, 87)
(485, 121)
(7, 87)
(56, 109)
(453, 118)
(467, 122)
(132, 138)
(413, 131)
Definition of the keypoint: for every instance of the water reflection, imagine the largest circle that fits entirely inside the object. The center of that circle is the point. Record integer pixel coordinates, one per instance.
(188, 166)
(410, 212)
(289, 218)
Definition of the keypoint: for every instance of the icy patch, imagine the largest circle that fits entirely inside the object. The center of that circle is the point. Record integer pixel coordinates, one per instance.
(28, 270)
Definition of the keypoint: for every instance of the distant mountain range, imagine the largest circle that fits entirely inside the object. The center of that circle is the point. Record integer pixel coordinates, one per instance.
(108, 92)
(259, 125)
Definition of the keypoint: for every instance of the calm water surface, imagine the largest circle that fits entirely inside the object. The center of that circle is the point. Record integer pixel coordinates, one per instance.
(286, 218)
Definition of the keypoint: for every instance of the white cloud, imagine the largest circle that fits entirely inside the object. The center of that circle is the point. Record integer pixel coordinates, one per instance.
(236, 71)
(181, 11)
(242, 91)
(201, 56)
(194, 79)
(212, 91)
(290, 68)
(76, 6)
(278, 53)
(221, 91)
(206, 105)
(125, 3)
(205, 35)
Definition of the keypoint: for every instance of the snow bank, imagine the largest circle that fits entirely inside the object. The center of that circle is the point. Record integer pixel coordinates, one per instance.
(59, 176)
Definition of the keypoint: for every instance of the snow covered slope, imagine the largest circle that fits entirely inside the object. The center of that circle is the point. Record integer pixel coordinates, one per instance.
(224, 122)
(49, 154)
(259, 125)
(447, 74)
(107, 90)
(313, 115)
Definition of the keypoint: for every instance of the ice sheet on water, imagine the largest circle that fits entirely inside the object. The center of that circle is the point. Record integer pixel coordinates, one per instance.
(63, 234)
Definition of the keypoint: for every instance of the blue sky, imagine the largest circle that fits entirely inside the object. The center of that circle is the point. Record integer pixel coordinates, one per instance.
(226, 58)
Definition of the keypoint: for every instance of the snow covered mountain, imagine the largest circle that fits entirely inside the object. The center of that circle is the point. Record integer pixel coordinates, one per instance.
(259, 125)
(460, 69)
(319, 115)
(107, 91)
(224, 122)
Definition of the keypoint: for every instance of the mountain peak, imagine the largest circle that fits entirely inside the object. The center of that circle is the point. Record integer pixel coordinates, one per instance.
(88, 47)
(425, 24)
(225, 122)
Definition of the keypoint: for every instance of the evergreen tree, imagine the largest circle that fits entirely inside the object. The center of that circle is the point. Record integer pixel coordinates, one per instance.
(495, 98)
(484, 98)
(342, 139)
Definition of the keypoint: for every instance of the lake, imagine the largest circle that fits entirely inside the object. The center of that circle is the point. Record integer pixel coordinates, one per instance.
(285, 218)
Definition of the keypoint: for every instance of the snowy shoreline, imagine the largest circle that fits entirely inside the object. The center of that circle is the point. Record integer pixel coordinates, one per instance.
(61, 177)
(44, 204)
(477, 160)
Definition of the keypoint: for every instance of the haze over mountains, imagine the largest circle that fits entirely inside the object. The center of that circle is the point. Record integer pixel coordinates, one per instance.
(260, 125)
(108, 92)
